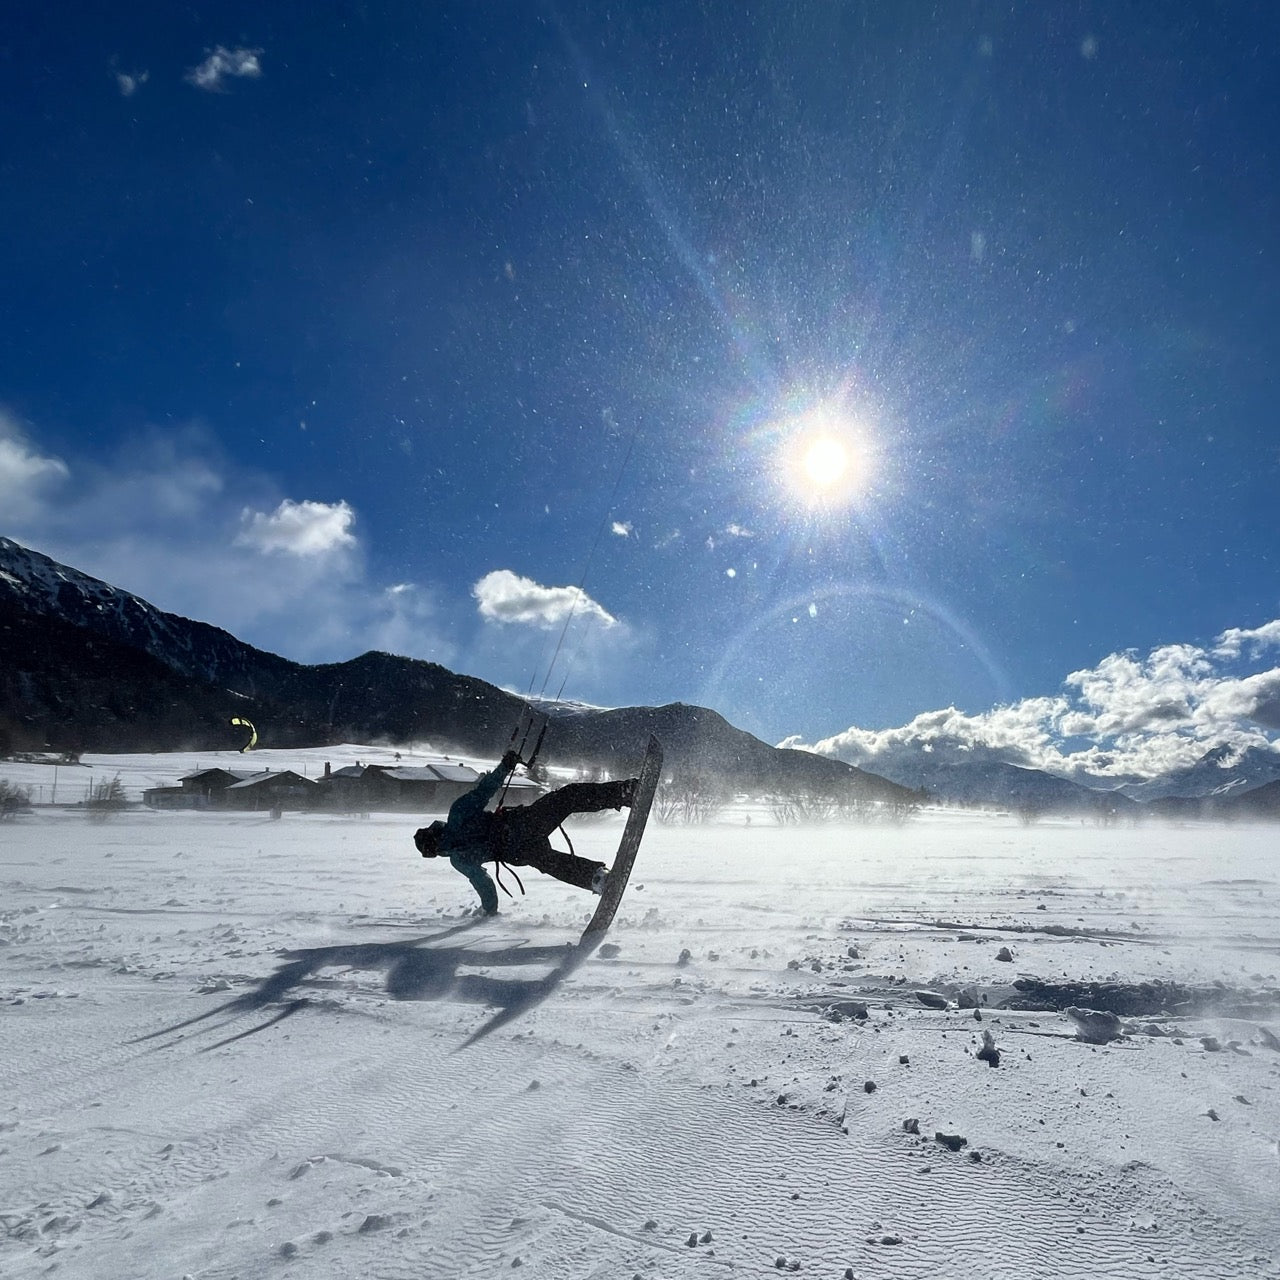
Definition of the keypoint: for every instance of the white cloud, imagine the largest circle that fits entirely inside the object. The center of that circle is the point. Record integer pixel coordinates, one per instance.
(738, 531)
(299, 528)
(130, 84)
(1125, 695)
(1232, 642)
(621, 530)
(506, 597)
(1127, 718)
(223, 64)
(401, 617)
(27, 477)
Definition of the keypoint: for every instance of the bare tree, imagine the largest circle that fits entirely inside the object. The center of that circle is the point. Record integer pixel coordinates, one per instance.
(691, 799)
(13, 799)
(838, 803)
(106, 796)
(802, 808)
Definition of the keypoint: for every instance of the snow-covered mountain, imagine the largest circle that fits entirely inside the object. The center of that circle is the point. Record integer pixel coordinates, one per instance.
(1221, 772)
(998, 784)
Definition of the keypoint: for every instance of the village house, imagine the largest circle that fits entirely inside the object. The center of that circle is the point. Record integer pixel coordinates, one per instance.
(273, 789)
(428, 788)
(355, 788)
(200, 790)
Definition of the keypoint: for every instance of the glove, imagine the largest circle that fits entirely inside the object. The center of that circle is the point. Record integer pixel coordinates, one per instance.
(510, 760)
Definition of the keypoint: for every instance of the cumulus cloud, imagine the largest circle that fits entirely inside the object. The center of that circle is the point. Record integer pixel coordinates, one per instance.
(1236, 640)
(299, 528)
(739, 531)
(1123, 694)
(223, 64)
(1128, 718)
(506, 597)
(621, 530)
(27, 477)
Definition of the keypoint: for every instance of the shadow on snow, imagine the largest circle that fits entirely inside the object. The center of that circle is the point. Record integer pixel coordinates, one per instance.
(416, 969)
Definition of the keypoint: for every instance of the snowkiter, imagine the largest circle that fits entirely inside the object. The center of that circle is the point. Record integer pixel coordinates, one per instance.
(472, 835)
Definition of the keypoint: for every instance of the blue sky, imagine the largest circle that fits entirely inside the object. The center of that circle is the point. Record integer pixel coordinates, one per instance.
(861, 361)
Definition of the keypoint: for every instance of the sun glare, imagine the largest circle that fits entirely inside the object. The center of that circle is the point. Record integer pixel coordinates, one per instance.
(825, 460)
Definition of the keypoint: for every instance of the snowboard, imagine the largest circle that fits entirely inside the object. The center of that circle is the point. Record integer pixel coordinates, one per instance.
(628, 847)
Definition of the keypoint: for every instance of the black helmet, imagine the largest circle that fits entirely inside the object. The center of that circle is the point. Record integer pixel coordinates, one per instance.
(428, 840)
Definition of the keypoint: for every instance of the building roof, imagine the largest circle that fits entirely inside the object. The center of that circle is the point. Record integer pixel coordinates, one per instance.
(217, 771)
(433, 773)
(271, 775)
(523, 784)
(454, 772)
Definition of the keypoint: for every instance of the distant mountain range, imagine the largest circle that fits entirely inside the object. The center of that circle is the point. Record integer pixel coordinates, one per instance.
(85, 666)
(983, 783)
(1221, 784)
(1220, 773)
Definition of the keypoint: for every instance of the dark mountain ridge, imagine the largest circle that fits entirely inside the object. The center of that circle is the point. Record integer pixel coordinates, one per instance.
(86, 666)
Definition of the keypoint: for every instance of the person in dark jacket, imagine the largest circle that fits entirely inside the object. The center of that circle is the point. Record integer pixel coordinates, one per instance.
(473, 834)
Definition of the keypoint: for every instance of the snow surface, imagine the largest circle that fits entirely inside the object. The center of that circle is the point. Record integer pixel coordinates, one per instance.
(232, 1046)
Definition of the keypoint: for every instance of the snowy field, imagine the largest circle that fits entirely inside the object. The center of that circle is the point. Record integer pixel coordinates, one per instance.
(238, 1047)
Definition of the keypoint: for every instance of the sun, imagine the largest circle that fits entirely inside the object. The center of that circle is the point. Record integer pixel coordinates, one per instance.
(825, 460)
